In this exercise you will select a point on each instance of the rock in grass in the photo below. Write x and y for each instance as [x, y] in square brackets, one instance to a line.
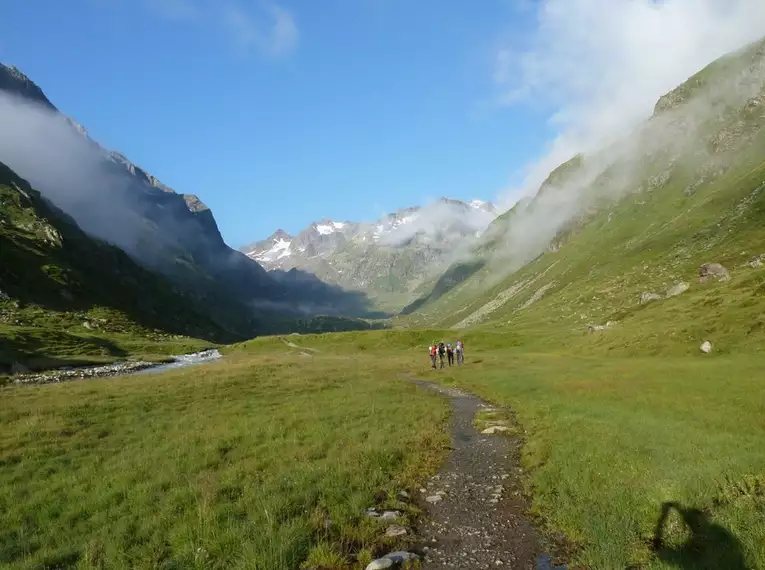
[677, 289]
[390, 515]
[395, 530]
[706, 347]
[495, 429]
[648, 297]
[385, 515]
[710, 271]
[401, 556]
[593, 328]
[380, 564]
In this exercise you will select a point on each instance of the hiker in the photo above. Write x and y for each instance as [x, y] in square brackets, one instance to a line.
[450, 353]
[441, 352]
[433, 351]
[459, 349]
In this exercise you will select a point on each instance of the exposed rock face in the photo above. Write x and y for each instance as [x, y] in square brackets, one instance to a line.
[14, 81]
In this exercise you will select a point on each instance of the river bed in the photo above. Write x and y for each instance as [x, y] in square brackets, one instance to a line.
[116, 369]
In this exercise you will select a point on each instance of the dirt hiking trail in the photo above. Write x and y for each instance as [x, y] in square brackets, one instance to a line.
[477, 514]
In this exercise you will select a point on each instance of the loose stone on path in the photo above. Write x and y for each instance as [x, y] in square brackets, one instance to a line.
[395, 530]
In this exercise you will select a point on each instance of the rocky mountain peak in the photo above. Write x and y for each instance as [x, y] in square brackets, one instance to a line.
[327, 227]
[388, 256]
[13, 80]
[194, 204]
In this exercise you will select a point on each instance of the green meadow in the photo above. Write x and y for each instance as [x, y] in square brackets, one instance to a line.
[268, 458]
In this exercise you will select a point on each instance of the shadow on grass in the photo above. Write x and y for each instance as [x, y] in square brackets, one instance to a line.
[453, 276]
[34, 351]
[709, 546]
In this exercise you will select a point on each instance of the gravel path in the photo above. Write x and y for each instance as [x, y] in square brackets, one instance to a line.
[477, 512]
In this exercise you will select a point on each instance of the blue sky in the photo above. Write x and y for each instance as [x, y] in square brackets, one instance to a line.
[277, 113]
[280, 114]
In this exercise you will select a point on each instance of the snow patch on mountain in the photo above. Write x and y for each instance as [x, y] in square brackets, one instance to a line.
[329, 228]
[280, 249]
[444, 224]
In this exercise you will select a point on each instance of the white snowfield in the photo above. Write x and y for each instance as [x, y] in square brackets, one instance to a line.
[279, 250]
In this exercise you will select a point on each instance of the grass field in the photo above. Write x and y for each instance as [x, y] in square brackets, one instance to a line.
[240, 464]
[611, 437]
[265, 460]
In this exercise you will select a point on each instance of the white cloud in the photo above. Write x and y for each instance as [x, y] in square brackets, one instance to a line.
[601, 65]
[271, 31]
[260, 25]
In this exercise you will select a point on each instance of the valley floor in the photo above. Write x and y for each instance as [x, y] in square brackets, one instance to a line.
[270, 457]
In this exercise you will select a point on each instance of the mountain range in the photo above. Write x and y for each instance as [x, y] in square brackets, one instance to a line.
[389, 258]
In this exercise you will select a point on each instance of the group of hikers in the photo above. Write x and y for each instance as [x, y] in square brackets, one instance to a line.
[437, 351]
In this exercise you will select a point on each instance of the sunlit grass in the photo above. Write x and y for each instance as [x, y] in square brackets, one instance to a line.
[609, 439]
[246, 463]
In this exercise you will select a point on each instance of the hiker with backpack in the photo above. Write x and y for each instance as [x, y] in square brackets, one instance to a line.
[441, 352]
[460, 350]
[433, 351]
[450, 354]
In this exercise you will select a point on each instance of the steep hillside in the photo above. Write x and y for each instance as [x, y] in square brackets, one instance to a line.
[55, 277]
[175, 234]
[388, 259]
[117, 201]
[617, 244]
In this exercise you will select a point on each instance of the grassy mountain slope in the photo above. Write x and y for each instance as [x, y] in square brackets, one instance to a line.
[389, 274]
[60, 287]
[640, 217]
